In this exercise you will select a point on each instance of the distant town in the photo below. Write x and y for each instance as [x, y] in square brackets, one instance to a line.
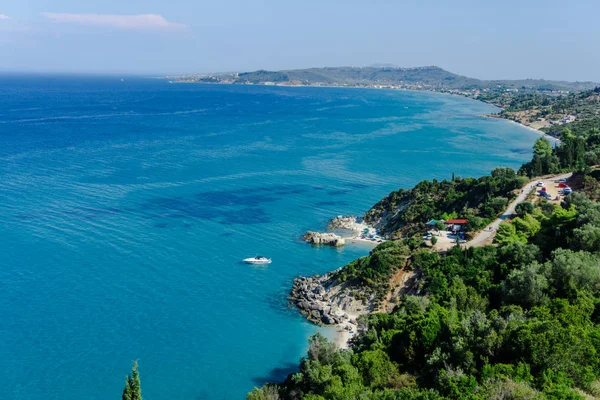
[536, 103]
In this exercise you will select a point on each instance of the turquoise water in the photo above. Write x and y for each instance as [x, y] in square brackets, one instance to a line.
[126, 208]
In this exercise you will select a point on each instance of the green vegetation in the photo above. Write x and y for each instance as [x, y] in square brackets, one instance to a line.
[580, 140]
[577, 152]
[405, 212]
[432, 77]
[524, 208]
[539, 106]
[133, 388]
[374, 271]
[517, 320]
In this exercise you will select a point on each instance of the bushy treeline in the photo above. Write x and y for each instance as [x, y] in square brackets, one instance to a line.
[520, 320]
[577, 152]
[478, 199]
[583, 103]
[580, 140]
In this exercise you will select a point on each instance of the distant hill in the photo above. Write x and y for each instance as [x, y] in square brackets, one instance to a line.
[419, 78]
[366, 76]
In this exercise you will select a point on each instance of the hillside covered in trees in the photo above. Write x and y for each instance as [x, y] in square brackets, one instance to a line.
[516, 320]
[519, 319]
[405, 212]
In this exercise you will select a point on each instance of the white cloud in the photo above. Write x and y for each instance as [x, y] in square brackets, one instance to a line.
[135, 22]
[4, 16]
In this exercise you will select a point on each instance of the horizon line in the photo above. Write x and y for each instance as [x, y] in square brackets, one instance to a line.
[233, 71]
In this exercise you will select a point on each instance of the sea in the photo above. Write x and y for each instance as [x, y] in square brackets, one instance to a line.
[127, 205]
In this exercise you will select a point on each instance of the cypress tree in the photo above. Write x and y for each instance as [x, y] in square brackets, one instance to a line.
[133, 388]
[127, 390]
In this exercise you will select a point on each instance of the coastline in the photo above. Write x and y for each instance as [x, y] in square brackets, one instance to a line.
[539, 132]
[342, 331]
[345, 331]
[366, 242]
[329, 303]
[549, 137]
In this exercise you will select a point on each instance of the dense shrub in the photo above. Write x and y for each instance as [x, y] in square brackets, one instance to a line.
[479, 200]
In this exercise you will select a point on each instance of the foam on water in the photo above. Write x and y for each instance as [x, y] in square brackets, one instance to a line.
[126, 208]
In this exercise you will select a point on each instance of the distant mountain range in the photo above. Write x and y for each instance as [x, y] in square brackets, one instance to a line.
[419, 78]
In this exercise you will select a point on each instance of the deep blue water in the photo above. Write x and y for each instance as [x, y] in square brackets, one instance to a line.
[126, 208]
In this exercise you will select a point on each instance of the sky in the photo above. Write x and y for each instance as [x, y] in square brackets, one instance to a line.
[484, 39]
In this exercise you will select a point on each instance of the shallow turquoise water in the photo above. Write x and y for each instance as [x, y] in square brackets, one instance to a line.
[126, 208]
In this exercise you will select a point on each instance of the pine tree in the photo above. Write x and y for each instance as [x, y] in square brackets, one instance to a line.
[133, 388]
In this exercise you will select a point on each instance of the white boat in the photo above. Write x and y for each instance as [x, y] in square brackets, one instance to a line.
[257, 260]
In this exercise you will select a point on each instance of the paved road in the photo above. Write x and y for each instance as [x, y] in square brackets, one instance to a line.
[486, 236]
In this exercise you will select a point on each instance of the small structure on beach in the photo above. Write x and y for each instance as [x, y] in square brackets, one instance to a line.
[456, 224]
[433, 223]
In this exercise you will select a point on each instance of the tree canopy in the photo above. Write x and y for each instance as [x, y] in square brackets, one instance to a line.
[519, 319]
[133, 388]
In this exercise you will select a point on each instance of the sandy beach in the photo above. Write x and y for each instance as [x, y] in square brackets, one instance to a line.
[345, 331]
[359, 240]
[551, 138]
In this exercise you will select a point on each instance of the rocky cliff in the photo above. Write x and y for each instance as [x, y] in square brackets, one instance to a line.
[325, 301]
[347, 223]
[372, 283]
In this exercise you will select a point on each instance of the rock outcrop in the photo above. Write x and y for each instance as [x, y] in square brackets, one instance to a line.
[346, 222]
[330, 239]
[325, 301]
[386, 221]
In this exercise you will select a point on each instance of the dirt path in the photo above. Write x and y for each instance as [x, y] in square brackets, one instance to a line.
[397, 283]
[486, 236]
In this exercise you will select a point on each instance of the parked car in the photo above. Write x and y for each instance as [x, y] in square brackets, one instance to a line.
[541, 183]
[563, 185]
[567, 190]
[562, 180]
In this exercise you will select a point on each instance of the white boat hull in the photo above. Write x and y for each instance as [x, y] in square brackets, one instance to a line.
[257, 262]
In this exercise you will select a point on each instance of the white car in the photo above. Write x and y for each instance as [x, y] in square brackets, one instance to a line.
[562, 180]
[541, 183]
